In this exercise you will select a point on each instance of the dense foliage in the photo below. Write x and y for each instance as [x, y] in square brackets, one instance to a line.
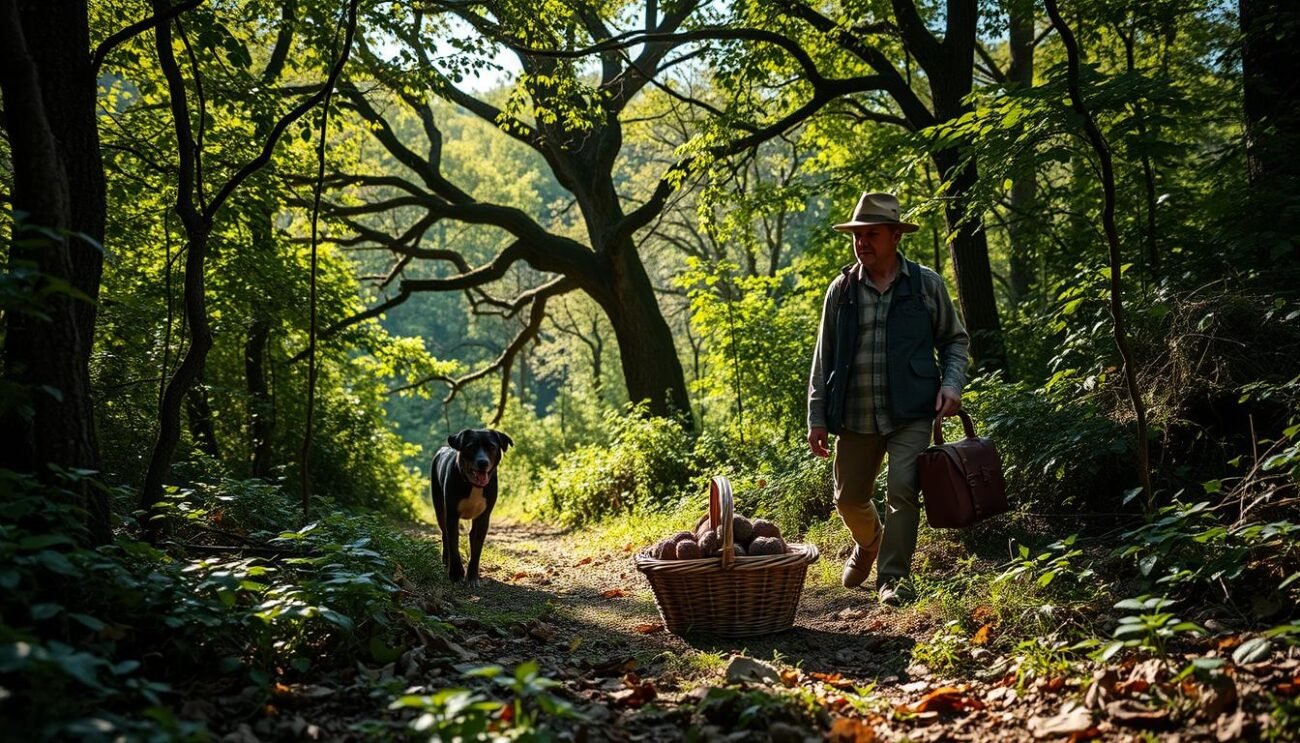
[573, 245]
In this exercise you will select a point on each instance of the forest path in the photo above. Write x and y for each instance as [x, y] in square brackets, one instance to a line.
[586, 614]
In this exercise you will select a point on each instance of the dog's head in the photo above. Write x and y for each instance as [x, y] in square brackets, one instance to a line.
[478, 452]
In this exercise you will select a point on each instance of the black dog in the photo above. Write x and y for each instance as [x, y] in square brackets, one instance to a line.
[463, 483]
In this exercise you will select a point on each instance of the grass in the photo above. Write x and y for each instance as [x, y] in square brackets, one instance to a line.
[695, 664]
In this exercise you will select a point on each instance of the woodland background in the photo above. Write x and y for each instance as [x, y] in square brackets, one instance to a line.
[263, 256]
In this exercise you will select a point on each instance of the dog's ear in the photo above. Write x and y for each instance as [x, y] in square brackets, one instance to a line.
[459, 440]
[503, 441]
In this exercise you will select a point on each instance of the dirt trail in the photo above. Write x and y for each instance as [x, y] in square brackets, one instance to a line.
[590, 622]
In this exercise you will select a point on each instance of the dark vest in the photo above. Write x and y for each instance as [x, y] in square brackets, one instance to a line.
[910, 367]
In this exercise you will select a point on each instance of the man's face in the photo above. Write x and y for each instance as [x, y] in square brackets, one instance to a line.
[876, 244]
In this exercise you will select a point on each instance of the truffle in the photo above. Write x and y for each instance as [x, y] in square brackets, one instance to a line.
[682, 536]
[702, 529]
[666, 550]
[739, 550]
[688, 549]
[767, 546]
[710, 544]
[765, 528]
[741, 529]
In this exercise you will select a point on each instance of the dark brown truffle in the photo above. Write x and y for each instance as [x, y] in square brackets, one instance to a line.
[710, 544]
[702, 529]
[767, 546]
[741, 529]
[668, 550]
[765, 528]
[682, 536]
[688, 549]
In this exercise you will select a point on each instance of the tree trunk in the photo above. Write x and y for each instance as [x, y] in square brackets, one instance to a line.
[1024, 189]
[261, 416]
[58, 184]
[645, 343]
[199, 412]
[970, 263]
[1270, 56]
[191, 367]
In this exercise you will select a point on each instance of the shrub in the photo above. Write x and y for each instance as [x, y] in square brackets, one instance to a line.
[1057, 452]
[647, 463]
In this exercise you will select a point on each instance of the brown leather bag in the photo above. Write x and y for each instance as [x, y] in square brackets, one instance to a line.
[961, 482]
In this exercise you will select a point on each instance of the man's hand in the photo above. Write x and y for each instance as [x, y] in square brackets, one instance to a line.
[817, 441]
[947, 402]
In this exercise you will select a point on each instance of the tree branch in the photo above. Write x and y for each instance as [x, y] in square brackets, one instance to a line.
[375, 311]
[107, 46]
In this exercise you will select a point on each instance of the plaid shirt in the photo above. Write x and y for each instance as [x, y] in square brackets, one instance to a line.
[867, 402]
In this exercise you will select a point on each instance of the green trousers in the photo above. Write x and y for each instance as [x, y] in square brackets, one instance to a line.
[858, 457]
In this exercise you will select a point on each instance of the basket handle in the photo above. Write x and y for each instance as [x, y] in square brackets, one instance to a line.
[721, 509]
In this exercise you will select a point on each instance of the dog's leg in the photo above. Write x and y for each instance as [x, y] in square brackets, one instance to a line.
[451, 549]
[477, 534]
[438, 498]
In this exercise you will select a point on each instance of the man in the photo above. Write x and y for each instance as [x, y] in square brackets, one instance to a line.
[876, 386]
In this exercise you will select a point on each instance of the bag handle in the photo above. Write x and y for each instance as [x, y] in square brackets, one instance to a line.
[966, 423]
[721, 510]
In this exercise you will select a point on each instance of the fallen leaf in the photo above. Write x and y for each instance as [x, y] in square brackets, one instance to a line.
[1073, 718]
[1219, 697]
[1231, 728]
[742, 669]
[520, 575]
[1102, 689]
[851, 730]
[981, 635]
[834, 680]
[637, 693]
[789, 678]
[1136, 714]
[945, 699]
[1133, 686]
[648, 628]
[613, 593]
[1228, 643]
[583, 561]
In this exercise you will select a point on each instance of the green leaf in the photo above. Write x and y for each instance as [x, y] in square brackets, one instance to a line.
[488, 672]
[1254, 650]
[91, 623]
[41, 541]
[41, 612]
[55, 562]
[381, 652]
[337, 619]
[1147, 564]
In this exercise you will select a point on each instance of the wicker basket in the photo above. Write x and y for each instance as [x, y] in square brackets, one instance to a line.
[728, 595]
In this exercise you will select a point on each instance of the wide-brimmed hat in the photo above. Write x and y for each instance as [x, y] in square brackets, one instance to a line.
[876, 208]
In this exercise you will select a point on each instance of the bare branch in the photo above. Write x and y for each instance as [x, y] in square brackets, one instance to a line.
[375, 311]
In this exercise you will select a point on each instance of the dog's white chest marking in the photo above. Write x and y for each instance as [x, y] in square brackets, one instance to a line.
[470, 508]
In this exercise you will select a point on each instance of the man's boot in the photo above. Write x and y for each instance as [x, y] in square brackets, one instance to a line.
[858, 566]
